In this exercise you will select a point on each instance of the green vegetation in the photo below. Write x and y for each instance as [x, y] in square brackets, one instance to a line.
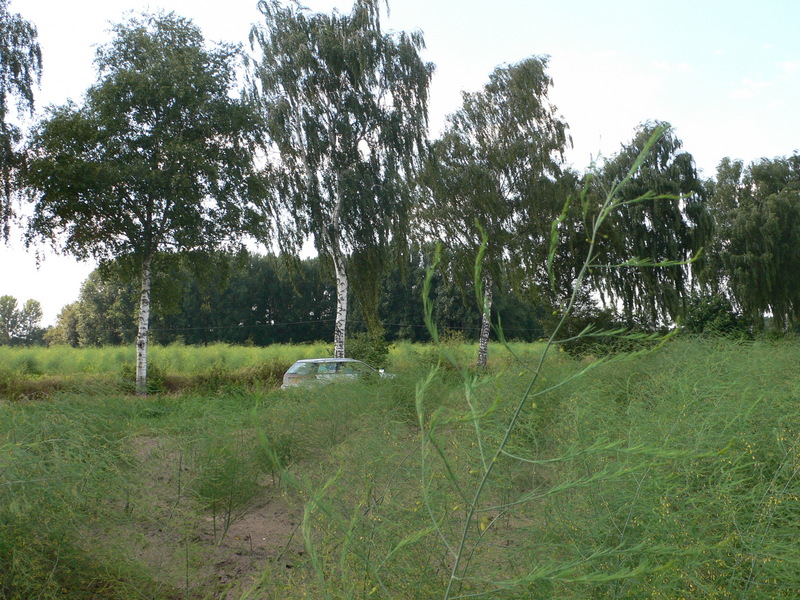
[19, 325]
[671, 224]
[20, 73]
[666, 472]
[756, 209]
[266, 300]
[346, 116]
[36, 371]
[497, 165]
[156, 160]
[665, 475]
[154, 170]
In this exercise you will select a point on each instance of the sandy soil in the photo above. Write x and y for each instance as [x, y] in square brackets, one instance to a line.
[183, 547]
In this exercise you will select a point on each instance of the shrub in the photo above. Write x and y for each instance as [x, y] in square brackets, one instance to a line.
[371, 348]
[155, 378]
[713, 314]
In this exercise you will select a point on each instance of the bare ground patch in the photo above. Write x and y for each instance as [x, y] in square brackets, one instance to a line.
[159, 525]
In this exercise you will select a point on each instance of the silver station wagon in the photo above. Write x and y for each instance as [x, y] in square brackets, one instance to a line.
[328, 370]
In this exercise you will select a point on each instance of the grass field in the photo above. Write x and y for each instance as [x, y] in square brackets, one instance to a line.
[664, 476]
[36, 372]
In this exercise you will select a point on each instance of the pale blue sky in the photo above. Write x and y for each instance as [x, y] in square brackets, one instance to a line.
[726, 74]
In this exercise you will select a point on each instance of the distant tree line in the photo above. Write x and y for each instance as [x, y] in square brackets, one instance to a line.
[260, 300]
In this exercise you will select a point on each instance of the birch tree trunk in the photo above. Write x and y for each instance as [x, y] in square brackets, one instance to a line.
[341, 303]
[144, 324]
[483, 343]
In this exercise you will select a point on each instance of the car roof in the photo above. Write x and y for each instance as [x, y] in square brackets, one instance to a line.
[328, 360]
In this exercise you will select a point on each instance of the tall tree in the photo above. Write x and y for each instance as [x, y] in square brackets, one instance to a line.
[20, 71]
[157, 159]
[494, 172]
[65, 331]
[665, 219]
[757, 214]
[30, 319]
[347, 111]
[20, 325]
[106, 308]
[9, 319]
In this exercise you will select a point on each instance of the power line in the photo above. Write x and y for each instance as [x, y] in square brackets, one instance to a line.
[256, 326]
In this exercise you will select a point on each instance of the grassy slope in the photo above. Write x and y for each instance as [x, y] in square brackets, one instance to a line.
[672, 475]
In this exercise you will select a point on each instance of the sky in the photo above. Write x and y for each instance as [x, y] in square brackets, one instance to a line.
[725, 74]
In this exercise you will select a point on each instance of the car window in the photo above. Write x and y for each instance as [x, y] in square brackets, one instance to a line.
[326, 368]
[302, 368]
[362, 369]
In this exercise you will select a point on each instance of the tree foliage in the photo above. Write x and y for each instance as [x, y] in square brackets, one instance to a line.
[20, 325]
[757, 212]
[261, 300]
[346, 106]
[20, 71]
[669, 222]
[493, 177]
[107, 309]
[157, 158]
[495, 165]
[712, 314]
[9, 318]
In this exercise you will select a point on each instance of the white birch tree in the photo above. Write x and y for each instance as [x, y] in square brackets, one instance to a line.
[493, 175]
[157, 159]
[346, 106]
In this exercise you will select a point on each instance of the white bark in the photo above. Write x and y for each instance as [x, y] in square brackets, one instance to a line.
[332, 239]
[483, 343]
[144, 324]
[341, 303]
